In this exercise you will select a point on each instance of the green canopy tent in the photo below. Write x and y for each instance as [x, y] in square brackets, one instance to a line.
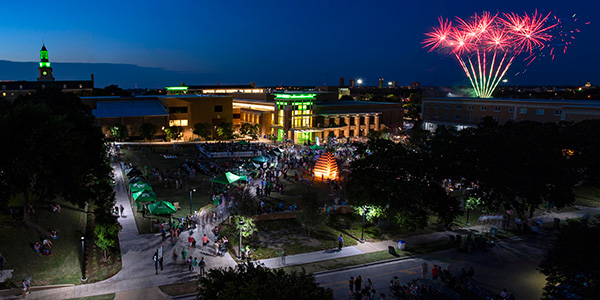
[243, 143]
[145, 196]
[161, 208]
[228, 178]
[316, 147]
[260, 159]
[137, 179]
[139, 186]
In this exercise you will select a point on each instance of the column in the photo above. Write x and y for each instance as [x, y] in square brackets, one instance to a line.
[367, 120]
[347, 130]
[357, 125]
[377, 123]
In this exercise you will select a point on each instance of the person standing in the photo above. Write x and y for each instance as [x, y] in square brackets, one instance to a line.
[190, 240]
[351, 286]
[174, 256]
[216, 246]
[358, 284]
[435, 272]
[195, 264]
[204, 242]
[155, 258]
[189, 261]
[122, 209]
[183, 256]
[340, 242]
[202, 264]
[424, 268]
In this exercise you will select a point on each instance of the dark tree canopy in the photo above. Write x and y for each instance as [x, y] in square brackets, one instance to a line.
[257, 282]
[52, 149]
[147, 131]
[572, 264]
[203, 130]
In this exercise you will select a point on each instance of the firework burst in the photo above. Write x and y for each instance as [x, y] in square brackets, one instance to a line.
[486, 45]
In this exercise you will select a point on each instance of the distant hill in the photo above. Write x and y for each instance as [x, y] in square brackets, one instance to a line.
[124, 75]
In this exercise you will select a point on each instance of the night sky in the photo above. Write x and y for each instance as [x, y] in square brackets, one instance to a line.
[294, 42]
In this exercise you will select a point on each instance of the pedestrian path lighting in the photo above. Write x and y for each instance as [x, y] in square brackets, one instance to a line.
[241, 223]
[362, 233]
[191, 191]
[83, 278]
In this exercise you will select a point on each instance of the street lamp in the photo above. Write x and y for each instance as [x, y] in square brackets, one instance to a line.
[240, 251]
[83, 278]
[191, 191]
[359, 81]
[362, 233]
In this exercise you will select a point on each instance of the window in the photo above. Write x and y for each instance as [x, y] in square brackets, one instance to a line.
[458, 107]
[457, 117]
[539, 111]
[483, 108]
[3, 87]
[20, 87]
[511, 109]
[522, 111]
[64, 86]
[178, 122]
[447, 106]
[470, 107]
[436, 116]
[469, 118]
[436, 106]
[497, 108]
[445, 116]
[480, 119]
[81, 86]
[43, 86]
[218, 108]
[178, 110]
[236, 116]
[558, 112]
[426, 105]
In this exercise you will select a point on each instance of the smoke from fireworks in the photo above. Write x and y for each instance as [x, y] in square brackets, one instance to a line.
[486, 45]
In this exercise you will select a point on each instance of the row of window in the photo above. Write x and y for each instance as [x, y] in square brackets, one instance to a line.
[43, 86]
[538, 111]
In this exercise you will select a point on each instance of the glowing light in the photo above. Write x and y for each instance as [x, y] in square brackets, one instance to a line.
[177, 88]
[359, 81]
[295, 96]
[326, 167]
[486, 45]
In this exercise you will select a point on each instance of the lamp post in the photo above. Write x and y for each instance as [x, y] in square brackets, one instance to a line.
[240, 251]
[83, 278]
[362, 233]
[191, 191]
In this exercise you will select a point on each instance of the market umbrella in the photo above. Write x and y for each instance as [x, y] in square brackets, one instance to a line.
[134, 172]
[243, 143]
[161, 208]
[316, 147]
[145, 196]
[260, 159]
[139, 186]
[228, 178]
[136, 179]
[274, 153]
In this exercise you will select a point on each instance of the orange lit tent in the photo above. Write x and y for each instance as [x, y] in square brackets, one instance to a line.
[326, 167]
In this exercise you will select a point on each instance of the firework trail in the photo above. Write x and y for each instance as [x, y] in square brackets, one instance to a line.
[486, 45]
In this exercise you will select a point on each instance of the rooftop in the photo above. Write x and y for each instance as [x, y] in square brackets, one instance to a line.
[135, 108]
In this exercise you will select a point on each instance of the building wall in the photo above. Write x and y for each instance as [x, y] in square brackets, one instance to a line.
[201, 110]
[133, 124]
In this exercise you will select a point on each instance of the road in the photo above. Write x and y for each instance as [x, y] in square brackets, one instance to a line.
[511, 264]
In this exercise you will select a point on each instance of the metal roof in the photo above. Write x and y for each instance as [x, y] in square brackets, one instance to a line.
[139, 108]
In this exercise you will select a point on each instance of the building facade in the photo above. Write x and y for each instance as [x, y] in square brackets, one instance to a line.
[468, 112]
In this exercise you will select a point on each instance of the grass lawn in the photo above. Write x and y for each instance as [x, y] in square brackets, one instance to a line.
[64, 266]
[99, 297]
[178, 289]
[587, 196]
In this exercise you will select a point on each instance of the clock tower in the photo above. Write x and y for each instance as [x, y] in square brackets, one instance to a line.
[44, 71]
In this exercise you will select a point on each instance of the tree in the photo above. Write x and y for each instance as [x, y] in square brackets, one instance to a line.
[147, 131]
[250, 129]
[243, 202]
[251, 281]
[55, 150]
[248, 226]
[225, 130]
[173, 132]
[389, 175]
[572, 264]
[107, 234]
[413, 106]
[311, 217]
[119, 132]
[203, 130]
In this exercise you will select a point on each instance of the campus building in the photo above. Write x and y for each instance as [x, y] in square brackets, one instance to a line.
[12, 89]
[468, 112]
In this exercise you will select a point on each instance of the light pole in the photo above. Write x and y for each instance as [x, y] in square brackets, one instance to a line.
[240, 252]
[362, 233]
[191, 191]
[83, 278]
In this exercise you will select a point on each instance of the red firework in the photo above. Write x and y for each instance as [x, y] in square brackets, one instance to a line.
[485, 45]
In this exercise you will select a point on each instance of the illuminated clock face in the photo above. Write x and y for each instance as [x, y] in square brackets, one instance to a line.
[45, 73]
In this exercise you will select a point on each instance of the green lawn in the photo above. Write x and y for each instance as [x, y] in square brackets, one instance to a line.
[99, 297]
[178, 289]
[587, 196]
[64, 266]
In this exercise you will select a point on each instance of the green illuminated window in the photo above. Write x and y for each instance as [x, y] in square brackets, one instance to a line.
[43, 55]
[44, 65]
[177, 88]
[295, 96]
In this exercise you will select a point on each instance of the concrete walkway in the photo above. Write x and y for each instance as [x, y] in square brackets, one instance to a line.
[137, 280]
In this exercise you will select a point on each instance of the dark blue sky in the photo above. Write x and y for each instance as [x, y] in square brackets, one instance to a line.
[271, 42]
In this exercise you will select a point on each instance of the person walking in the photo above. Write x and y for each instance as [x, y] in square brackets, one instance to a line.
[424, 268]
[358, 284]
[155, 258]
[204, 242]
[122, 209]
[174, 256]
[216, 246]
[189, 261]
[202, 264]
[351, 286]
[340, 242]
[435, 272]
